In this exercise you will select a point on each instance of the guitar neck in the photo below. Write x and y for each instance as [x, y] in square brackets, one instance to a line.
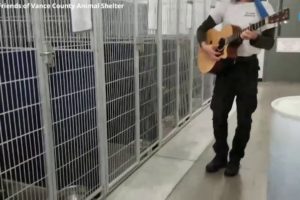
[257, 25]
[281, 16]
[252, 27]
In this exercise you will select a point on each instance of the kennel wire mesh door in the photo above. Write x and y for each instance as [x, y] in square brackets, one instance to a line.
[185, 53]
[169, 66]
[72, 97]
[146, 44]
[197, 80]
[184, 77]
[118, 33]
[22, 130]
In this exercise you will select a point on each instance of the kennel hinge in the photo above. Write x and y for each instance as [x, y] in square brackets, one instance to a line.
[48, 55]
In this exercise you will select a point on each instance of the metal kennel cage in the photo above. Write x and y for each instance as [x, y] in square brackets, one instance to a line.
[79, 111]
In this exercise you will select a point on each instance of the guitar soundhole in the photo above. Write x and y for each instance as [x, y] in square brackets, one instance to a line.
[210, 42]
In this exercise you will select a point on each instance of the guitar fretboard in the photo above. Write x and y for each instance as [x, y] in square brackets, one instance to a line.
[257, 25]
[281, 16]
[252, 27]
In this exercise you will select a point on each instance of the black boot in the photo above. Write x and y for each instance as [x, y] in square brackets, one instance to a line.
[216, 164]
[232, 169]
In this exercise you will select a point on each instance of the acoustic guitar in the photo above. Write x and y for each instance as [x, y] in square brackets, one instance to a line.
[228, 40]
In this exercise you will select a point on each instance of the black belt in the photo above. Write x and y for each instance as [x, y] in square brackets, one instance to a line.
[241, 59]
[245, 59]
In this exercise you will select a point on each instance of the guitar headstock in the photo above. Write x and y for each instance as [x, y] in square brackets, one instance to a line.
[281, 16]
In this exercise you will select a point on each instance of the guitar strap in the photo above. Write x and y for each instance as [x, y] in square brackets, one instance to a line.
[261, 9]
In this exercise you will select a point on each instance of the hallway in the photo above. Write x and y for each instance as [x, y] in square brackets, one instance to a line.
[177, 171]
[252, 183]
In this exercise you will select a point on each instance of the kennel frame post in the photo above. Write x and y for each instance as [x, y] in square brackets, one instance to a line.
[136, 83]
[192, 54]
[160, 70]
[38, 32]
[177, 63]
[98, 47]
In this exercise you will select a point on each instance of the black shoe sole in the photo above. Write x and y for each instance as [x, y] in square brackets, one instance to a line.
[227, 174]
[230, 175]
[215, 170]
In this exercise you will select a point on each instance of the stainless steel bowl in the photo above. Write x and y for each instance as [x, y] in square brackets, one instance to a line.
[73, 193]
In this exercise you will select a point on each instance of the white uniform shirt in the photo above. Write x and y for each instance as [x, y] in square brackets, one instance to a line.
[241, 14]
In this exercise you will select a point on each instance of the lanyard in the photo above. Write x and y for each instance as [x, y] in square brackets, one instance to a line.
[261, 9]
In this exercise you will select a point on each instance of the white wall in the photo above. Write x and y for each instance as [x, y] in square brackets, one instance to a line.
[200, 13]
[169, 17]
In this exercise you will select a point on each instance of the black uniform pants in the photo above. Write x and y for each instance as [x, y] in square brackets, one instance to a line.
[239, 80]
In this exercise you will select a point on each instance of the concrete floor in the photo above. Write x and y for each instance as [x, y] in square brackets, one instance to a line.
[156, 178]
[253, 183]
[177, 171]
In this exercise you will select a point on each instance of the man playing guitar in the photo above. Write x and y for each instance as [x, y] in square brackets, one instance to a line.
[239, 79]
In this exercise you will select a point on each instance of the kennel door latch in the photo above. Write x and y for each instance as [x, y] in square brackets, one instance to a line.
[140, 44]
[48, 55]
